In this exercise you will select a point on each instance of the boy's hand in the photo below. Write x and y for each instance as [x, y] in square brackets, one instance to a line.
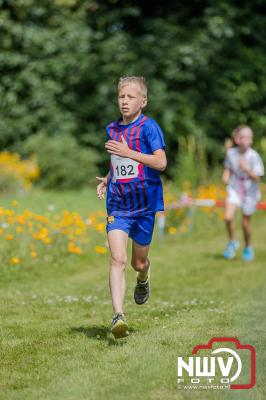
[101, 188]
[226, 176]
[118, 148]
[243, 165]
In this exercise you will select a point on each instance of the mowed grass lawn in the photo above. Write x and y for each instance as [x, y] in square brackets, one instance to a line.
[55, 329]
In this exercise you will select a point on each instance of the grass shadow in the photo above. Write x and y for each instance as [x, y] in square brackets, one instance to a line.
[101, 333]
[218, 256]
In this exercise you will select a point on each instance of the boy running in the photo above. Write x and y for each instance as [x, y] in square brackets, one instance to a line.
[243, 169]
[134, 193]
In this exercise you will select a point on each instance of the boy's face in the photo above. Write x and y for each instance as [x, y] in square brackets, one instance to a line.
[131, 100]
[244, 138]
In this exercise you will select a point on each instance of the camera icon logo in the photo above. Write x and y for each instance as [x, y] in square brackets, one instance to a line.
[222, 363]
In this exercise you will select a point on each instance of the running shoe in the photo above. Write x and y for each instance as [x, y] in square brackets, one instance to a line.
[231, 249]
[248, 253]
[119, 326]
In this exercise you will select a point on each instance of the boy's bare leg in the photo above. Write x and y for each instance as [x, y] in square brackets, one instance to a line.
[140, 261]
[118, 246]
[246, 229]
[229, 220]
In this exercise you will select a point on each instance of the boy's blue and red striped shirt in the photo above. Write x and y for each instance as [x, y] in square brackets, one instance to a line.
[142, 195]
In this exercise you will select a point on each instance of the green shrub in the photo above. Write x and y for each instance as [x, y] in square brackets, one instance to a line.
[8, 184]
[63, 163]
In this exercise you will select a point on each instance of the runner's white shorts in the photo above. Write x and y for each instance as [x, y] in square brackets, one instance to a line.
[247, 203]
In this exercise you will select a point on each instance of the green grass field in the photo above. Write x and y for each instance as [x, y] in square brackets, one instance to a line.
[55, 329]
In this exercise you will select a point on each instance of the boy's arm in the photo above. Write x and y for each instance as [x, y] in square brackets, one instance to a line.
[244, 168]
[101, 187]
[157, 160]
[226, 176]
[104, 179]
[107, 177]
[252, 175]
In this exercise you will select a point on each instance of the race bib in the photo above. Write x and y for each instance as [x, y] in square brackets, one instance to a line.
[124, 168]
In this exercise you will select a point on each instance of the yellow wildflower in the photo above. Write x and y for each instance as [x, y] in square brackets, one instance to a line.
[100, 250]
[172, 230]
[9, 237]
[100, 227]
[14, 260]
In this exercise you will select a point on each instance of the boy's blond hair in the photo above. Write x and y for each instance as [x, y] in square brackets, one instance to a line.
[239, 128]
[140, 80]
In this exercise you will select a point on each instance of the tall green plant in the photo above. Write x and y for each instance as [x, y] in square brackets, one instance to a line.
[63, 162]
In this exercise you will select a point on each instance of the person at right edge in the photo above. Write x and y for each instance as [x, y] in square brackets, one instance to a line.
[243, 170]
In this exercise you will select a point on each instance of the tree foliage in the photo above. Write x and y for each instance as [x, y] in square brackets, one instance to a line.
[60, 62]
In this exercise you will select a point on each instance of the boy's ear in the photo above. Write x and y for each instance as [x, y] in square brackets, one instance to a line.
[144, 102]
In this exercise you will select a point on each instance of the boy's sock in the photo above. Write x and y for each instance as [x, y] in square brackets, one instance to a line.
[143, 280]
[142, 290]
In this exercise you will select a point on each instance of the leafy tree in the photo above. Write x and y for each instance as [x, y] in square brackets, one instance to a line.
[204, 62]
